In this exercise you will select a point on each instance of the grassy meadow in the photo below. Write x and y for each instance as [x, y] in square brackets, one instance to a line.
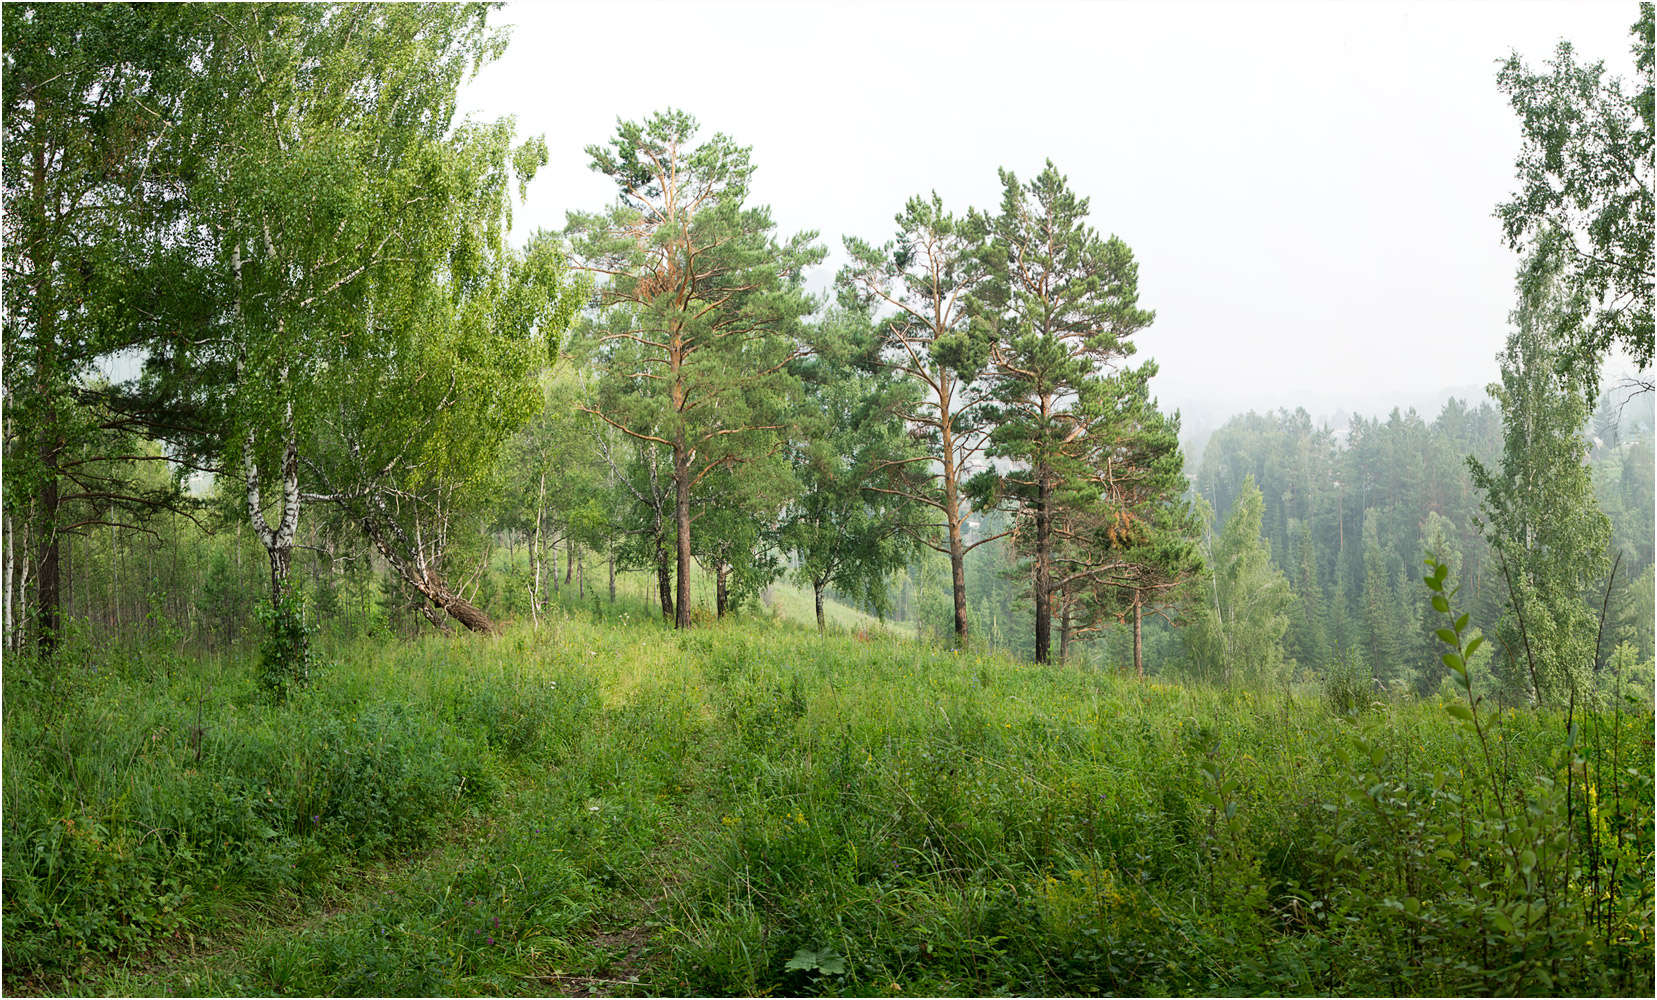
[609, 807]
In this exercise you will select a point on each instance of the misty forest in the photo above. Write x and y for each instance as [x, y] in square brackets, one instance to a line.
[398, 603]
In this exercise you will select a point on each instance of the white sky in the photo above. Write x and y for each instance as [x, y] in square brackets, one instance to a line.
[1308, 187]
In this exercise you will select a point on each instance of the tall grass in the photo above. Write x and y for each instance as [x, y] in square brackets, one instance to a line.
[749, 808]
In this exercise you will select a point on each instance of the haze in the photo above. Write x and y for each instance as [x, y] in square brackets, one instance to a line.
[1308, 187]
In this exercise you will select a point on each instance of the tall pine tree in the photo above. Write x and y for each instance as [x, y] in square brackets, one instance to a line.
[1061, 307]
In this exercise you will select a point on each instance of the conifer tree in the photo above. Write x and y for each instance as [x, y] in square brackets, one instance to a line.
[701, 308]
[924, 279]
[1060, 309]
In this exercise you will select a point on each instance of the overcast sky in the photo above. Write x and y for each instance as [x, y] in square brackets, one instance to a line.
[1308, 187]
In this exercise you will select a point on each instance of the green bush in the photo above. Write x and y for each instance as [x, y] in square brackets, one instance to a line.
[285, 653]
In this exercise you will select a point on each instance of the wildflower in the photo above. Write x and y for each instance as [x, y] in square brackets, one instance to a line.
[489, 940]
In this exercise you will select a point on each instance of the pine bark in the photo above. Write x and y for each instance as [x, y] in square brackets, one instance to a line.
[1138, 635]
[1064, 635]
[952, 518]
[681, 520]
[1043, 586]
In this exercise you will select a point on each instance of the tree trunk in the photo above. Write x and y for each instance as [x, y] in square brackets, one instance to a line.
[424, 580]
[664, 579]
[537, 550]
[1064, 634]
[569, 559]
[681, 521]
[952, 518]
[1138, 635]
[464, 612]
[8, 553]
[958, 580]
[720, 575]
[612, 561]
[817, 594]
[1043, 595]
[114, 581]
[277, 539]
[47, 621]
[47, 579]
[281, 562]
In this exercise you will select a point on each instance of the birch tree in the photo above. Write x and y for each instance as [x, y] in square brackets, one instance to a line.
[846, 529]
[93, 163]
[1538, 510]
[329, 183]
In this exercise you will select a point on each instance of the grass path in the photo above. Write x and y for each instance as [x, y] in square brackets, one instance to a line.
[607, 953]
[540, 893]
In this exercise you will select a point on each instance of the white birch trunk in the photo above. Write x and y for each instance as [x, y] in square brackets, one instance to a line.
[10, 544]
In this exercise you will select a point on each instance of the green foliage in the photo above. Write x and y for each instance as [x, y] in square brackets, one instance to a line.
[1542, 859]
[142, 807]
[91, 177]
[752, 809]
[1238, 635]
[699, 319]
[1319, 488]
[285, 654]
[1585, 198]
[1539, 513]
[922, 285]
[1094, 470]
[847, 527]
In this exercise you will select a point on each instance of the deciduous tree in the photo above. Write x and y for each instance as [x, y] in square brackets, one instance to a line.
[1538, 511]
[1585, 199]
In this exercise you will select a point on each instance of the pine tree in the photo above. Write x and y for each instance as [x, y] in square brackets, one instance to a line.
[701, 308]
[926, 278]
[1062, 305]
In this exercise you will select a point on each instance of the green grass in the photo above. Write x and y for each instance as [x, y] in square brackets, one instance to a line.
[748, 808]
